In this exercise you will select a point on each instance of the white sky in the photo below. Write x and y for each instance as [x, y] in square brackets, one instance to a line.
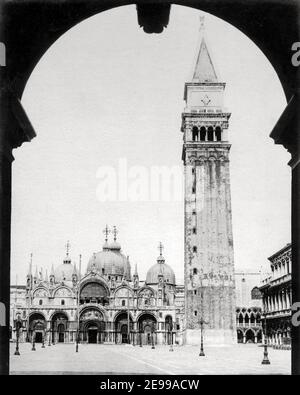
[105, 91]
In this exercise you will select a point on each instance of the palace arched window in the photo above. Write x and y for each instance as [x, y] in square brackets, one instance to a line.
[195, 133]
[218, 133]
[202, 133]
[62, 302]
[40, 302]
[123, 302]
[210, 134]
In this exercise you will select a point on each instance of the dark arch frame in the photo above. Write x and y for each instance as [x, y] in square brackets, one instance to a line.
[44, 22]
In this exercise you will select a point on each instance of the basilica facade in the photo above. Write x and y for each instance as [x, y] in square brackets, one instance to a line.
[106, 304]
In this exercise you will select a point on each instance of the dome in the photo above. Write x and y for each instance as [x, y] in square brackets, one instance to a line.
[108, 262]
[115, 246]
[64, 271]
[160, 268]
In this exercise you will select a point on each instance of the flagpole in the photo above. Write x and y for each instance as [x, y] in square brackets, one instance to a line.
[29, 295]
[128, 321]
[78, 295]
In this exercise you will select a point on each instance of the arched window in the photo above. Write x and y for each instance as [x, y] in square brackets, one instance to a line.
[195, 271]
[202, 133]
[40, 302]
[218, 133]
[62, 302]
[210, 134]
[195, 133]
[123, 302]
[258, 318]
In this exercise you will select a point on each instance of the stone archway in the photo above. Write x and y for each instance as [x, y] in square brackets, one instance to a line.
[59, 327]
[250, 336]
[147, 326]
[240, 336]
[121, 333]
[92, 326]
[93, 331]
[27, 47]
[37, 327]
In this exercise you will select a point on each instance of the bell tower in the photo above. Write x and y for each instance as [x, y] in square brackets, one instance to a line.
[209, 266]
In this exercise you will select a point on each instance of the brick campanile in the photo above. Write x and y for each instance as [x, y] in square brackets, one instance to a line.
[209, 265]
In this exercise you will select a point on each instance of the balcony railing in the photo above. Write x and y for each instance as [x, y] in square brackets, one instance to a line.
[248, 324]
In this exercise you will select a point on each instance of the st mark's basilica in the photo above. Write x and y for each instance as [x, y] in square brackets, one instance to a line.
[108, 303]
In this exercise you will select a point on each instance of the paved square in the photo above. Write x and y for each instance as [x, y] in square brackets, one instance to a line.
[127, 359]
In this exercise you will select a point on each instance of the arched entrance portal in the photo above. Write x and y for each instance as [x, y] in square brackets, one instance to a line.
[240, 336]
[147, 329]
[92, 326]
[92, 330]
[122, 335]
[250, 337]
[59, 328]
[37, 326]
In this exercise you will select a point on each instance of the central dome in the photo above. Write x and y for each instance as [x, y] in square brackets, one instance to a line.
[110, 261]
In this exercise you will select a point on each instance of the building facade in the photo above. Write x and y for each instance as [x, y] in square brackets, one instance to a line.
[277, 298]
[49, 307]
[248, 307]
[208, 267]
[108, 304]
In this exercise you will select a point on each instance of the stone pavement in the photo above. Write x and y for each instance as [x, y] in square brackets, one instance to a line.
[127, 359]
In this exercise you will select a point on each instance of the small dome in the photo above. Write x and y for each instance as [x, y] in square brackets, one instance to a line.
[115, 246]
[105, 246]
[64, 271]
[160, 268]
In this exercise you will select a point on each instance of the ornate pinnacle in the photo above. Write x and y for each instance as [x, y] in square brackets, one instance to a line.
[115, 232]
[160, 247]
[68, 245]
[106, 231]
[202, 21]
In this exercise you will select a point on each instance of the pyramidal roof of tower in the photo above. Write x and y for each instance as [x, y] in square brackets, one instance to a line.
[204, 70]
